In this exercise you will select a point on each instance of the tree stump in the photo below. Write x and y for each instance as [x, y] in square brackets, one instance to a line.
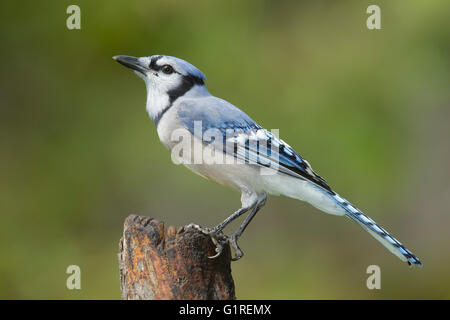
[173, 264]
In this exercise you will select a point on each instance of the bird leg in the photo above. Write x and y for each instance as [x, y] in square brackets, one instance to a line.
[235, 236]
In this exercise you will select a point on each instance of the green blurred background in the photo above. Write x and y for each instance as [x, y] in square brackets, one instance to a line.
[368, 109]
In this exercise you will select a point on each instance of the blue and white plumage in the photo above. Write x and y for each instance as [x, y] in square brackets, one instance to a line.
[177, 100]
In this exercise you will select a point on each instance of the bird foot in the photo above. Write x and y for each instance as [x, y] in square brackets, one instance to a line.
[220, 240]
[237, 251]
[217, 237]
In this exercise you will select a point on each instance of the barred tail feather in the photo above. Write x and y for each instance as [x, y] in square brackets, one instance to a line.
[377, 232]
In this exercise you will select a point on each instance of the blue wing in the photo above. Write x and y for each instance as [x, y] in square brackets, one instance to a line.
[248, 141]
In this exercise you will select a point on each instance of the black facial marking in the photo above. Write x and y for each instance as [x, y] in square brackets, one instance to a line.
[153, 64]
[159, 116]
[187, 82]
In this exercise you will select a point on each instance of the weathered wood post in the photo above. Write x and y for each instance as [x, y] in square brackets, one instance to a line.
[173, 264]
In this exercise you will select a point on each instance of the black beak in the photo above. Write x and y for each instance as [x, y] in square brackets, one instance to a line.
[131, 62]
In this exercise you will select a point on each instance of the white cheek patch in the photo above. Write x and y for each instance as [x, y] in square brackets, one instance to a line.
[169, 81]
[164, 82]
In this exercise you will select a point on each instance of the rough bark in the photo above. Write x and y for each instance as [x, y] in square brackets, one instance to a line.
[173, 264]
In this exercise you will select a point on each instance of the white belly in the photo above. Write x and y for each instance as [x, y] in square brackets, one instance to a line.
[202, 160]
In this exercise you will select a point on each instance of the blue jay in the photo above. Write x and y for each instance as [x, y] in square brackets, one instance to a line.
[177, 99]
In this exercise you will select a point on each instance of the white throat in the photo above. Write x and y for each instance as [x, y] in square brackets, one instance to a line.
[158, 100]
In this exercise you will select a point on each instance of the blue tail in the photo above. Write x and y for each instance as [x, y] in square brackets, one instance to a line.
[377, 232]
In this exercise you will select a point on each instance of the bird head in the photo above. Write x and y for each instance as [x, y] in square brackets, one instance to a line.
[164, 74]
[167, 79]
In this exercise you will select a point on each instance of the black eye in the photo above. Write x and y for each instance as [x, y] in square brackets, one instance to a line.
[167, 69]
